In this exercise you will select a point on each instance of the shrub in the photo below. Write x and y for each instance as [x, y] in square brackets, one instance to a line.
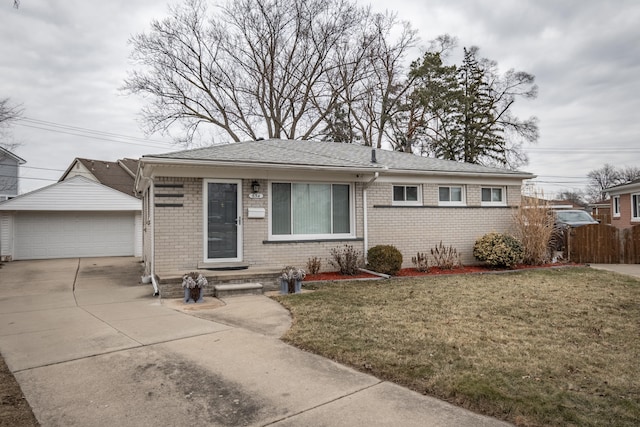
[445, 257]
[313, 265]
[534, 227]
[498, 250]
[385, 259]
[421, 262]
[347, 259]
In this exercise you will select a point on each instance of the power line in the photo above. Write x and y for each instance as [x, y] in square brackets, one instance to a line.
[87, 136]
[28, 177]
[32, 167]
[88, 133]
[585, 150]
[91, 131]
[87, 130]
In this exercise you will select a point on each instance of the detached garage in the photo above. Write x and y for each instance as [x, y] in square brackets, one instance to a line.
[73, 218]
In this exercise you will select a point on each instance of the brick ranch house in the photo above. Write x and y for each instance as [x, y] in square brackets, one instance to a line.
[270, 203]
[625, 204]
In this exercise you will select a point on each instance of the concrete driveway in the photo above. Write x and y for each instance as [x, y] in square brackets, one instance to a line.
[90, 346]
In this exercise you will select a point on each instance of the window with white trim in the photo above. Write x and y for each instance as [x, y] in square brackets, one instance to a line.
[451, 195]
[492, 196]
[616, 206]
[407, 195]
[635, 207]
[311, 211]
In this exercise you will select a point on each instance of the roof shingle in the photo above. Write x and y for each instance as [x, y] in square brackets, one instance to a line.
[326, 154]
[111, 174]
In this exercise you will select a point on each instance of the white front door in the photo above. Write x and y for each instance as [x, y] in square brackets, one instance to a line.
[223, 220]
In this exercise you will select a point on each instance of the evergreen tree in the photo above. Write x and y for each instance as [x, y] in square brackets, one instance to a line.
[465, 112]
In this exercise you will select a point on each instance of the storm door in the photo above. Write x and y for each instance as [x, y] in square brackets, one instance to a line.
[223, 220]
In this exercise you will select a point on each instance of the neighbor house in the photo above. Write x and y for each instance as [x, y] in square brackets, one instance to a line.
[118, 175]
[9, 165]
[271, 203]
[625, 204]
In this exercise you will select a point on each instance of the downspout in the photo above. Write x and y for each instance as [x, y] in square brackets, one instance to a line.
[365, 219]
[151, 278]
[156, 290]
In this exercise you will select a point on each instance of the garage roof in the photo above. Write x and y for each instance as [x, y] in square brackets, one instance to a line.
[75, 194]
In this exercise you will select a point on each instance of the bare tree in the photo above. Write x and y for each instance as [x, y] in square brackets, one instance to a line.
[9, 113]
[629, 173]
[253, 68]
[574, 196]
[609, 176]
[372, 73]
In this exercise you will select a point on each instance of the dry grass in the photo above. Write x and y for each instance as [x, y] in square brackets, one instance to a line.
[534, 227]
[537, 348]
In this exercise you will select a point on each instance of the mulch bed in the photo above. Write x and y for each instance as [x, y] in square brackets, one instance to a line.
[433, 271]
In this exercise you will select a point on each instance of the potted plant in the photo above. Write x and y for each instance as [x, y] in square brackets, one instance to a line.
[291, 280]
[193, 284]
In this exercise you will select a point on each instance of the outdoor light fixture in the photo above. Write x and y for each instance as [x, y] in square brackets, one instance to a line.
[255, 186]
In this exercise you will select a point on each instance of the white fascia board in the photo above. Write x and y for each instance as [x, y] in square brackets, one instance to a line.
[253, 165]
[623, 189]
[150, 162]
[508, 175]
[434, 178]
[240, 171]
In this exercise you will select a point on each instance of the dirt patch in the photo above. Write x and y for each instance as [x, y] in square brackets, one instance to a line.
[224, 403]
[14, 409]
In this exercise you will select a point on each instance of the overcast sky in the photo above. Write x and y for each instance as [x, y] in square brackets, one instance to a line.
[65, 60]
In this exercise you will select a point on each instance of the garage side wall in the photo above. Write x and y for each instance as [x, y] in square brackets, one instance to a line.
[6, 236]
[421, 228]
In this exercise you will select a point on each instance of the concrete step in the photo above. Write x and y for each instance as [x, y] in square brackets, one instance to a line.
[226, 290]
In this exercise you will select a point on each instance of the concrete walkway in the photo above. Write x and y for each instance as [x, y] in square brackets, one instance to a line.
[628, 269]
[91, 347]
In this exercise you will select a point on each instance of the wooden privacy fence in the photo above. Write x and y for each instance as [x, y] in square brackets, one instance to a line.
[604, 244]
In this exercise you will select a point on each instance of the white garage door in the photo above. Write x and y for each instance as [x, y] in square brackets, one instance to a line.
[41, 235]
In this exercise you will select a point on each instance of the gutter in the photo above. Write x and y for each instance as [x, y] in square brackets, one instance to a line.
[153, 161]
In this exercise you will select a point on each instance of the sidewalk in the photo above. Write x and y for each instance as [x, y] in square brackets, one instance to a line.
[628, 269]
[95, 348]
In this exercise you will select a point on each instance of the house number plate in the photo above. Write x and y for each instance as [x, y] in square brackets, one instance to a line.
[256, 196]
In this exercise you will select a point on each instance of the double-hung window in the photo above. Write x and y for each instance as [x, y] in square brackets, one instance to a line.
[311, 211]
[451, 195]
[635, 207]
[492, 196]
[616, 206]
[407, 195]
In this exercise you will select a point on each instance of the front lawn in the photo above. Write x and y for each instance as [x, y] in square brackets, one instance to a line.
[536, 348]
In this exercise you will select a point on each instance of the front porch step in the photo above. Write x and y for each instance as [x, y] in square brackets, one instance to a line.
[217, 266]
[170, 283]
[226, 290]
